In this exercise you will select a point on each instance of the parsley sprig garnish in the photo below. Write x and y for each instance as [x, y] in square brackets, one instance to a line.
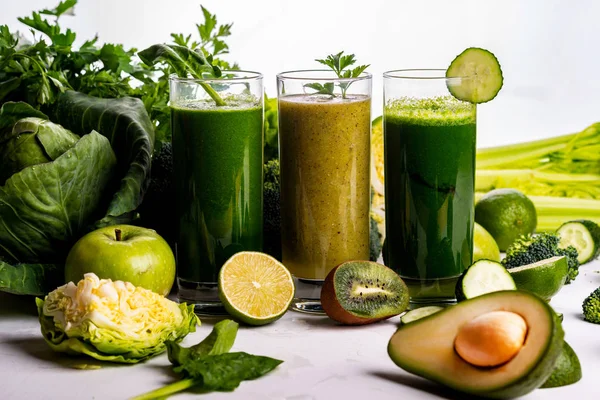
[339, 64]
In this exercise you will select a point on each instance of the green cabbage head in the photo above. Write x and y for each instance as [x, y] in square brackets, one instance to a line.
[32, 141]
[112, 321]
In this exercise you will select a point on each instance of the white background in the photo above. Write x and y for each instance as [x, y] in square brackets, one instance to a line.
[549, 50]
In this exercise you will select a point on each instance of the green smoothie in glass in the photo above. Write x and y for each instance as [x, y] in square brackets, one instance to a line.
[429, 192]
[218, 164]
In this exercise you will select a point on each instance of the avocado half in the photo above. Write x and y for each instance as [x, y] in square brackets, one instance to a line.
[426, 347]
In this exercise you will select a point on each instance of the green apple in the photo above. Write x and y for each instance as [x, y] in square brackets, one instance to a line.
[126, 253]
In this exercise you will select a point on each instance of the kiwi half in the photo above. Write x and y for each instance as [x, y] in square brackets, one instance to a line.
[362, 292]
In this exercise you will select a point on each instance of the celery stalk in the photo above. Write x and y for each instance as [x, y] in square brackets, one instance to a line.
[541, 183]
[561, 153]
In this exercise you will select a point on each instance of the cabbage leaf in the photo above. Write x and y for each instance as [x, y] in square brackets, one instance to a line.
[46, 207]
[108, 345]
[51, 202]
[129, 129]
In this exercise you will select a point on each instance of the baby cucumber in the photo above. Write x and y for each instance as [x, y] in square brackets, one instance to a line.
[484, 276]
[584, 235]
[419, 313]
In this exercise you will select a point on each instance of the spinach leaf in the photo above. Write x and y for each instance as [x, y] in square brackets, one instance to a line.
[185, 62]
[182, 59]
[127, 126]
[226, 371]
[33, 279]
[219, 341]
[208, 366]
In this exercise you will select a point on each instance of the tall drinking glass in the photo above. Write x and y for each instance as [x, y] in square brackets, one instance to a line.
[324, 136]
[429, 142]
[218, 162]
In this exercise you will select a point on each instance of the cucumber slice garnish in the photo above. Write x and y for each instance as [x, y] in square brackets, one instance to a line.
[484, 276]
[584, 235]
[481, 76]
[419, 313]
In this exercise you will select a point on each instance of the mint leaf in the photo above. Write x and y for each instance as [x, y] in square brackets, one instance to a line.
[226, 371]
[219, 341]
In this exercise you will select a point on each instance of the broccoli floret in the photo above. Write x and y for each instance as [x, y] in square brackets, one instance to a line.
[272, 210]
[157, 211]
[571, 253]
[529, 249]
[591, 307]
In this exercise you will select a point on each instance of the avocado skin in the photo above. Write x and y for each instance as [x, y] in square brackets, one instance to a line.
[527, 383]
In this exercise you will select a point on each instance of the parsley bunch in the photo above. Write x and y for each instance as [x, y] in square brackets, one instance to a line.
[40, 71]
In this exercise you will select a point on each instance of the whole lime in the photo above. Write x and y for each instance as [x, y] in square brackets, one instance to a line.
[484, 245]
[125, 253]
[506, 214]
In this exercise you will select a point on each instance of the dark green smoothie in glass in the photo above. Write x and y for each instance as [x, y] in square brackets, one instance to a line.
[429, 192]
[218, 174]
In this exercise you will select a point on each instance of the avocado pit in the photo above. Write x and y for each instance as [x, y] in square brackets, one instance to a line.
[491, 339]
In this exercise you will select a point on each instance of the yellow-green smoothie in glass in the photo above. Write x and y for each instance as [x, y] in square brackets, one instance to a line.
[325, 189]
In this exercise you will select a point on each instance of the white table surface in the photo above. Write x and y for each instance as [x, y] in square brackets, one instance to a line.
[322, 360]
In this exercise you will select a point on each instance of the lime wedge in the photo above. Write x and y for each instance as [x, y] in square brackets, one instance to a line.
[255, 288]
[544, 278]
[480, 73]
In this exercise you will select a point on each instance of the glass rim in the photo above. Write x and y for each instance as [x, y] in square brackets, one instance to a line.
[288, 75]
[250, 76]
[411, 73]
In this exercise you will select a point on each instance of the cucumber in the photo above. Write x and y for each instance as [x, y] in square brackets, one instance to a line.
[584, 235]
[484, 276]
[481, 76]
[419, 313]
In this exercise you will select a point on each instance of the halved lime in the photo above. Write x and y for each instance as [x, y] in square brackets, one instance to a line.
[544, 278]
[480, 73]
[255, 288]
[484, 245]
